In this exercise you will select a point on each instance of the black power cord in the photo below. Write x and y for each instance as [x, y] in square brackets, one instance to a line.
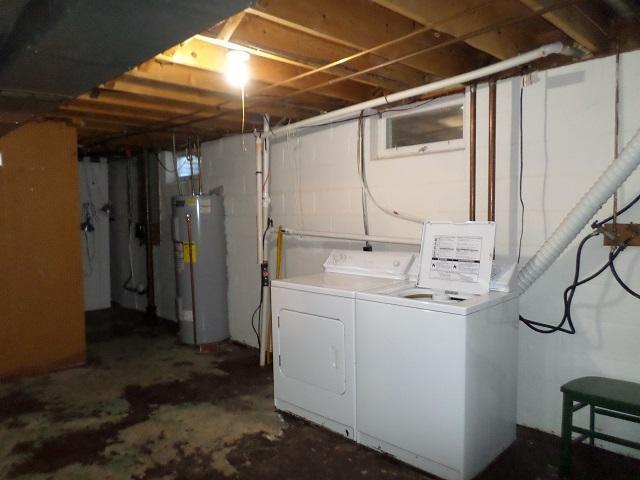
[258, 309]
[570, 290]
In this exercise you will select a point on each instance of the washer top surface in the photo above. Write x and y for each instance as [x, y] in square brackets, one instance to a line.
[406, 294]
[337, 284]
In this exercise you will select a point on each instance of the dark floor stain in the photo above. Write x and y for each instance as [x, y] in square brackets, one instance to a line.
[81, 446]
[307, 451]
[196, 466]
[183, 363]
[18, 403]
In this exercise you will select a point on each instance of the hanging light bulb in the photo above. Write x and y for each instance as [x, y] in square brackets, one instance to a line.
[237, 68]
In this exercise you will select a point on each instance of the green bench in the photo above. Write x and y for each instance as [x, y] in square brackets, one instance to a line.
[604, 396]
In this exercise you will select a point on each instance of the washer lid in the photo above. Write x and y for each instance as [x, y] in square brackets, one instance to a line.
[457, 257]
[369, 264]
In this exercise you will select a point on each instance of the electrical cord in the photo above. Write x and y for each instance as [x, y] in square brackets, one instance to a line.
[615, 274]
[570, 291]
[365, 185]
[521, 171]
[258, 309]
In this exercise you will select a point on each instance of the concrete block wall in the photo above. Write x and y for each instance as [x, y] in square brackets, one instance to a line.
[568, 119]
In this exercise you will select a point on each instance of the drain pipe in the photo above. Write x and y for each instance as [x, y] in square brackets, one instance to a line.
[610, 180]
[342, 113]
[263, 205]
[354, 237]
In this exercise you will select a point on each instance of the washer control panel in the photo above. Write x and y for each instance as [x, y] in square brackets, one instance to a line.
[374, 264]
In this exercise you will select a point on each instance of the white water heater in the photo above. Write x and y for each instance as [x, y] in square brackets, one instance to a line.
[201, 273]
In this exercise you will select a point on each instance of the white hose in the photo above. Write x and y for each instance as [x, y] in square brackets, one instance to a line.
[587, 207]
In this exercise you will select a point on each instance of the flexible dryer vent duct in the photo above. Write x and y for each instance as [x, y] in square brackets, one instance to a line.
[586, 208]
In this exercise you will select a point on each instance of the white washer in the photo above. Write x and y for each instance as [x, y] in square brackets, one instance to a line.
[313, 334]
[436, 368]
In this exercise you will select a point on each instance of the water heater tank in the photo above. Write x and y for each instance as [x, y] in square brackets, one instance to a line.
[201, 273]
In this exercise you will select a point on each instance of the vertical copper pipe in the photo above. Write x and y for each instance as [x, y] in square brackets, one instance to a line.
[616, 134]
[151, 291]
[193, 287]
[472, 152]
[491, 188]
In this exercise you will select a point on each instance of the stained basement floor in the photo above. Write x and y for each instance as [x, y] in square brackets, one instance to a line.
[146, 407]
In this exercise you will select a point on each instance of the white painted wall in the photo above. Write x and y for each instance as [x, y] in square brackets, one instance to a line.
[568, 142]
[94, 195]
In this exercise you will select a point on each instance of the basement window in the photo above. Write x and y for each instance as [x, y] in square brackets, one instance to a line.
[184, 166]
[421, 128]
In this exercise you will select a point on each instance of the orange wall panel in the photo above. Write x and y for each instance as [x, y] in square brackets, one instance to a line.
[41, 301]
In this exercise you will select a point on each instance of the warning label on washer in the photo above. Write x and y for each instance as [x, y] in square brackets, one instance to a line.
[456, 258]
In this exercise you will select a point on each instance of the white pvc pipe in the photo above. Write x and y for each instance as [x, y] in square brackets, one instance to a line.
[263, 207]
[579, 217]
[342, 113]
[259, 217]
[351, 237]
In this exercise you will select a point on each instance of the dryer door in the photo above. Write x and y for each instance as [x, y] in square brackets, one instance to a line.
[312, 350]
[313, 346]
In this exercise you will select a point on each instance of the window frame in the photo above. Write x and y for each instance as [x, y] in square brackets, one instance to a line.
[183, 155]
[383, 152]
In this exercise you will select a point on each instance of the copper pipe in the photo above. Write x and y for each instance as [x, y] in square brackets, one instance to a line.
[616, 134]
[472, 152]
[193, 285]
[491, 187]
[151, 292]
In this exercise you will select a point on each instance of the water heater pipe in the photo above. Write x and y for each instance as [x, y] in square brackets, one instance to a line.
[463, 78]
[193, 283]
[610, 180]
[351, 237]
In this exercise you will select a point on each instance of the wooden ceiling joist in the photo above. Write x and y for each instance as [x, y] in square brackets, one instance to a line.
[206, 56]
[502, 44]
[258, 32]
[575, 23]
[183, 78]
[344, 22]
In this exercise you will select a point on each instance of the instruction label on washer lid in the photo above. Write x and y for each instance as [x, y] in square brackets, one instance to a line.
[456, 258]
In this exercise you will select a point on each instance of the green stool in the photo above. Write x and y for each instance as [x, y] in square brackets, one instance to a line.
[604, 396]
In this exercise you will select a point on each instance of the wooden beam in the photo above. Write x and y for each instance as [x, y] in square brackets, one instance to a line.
[474, 15]
[230, 26]
[177, 102]
[206, 56]
[258, 32]
[344, 23]
[212, 83]
[135, 118]
[574, 23]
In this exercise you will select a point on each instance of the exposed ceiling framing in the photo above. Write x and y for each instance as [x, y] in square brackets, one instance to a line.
[309, 57]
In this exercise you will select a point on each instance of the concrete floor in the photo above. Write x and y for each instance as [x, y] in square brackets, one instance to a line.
[146, 407]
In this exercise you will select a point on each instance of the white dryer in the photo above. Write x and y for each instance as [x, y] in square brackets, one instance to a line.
[436, 360]
[313, 334]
